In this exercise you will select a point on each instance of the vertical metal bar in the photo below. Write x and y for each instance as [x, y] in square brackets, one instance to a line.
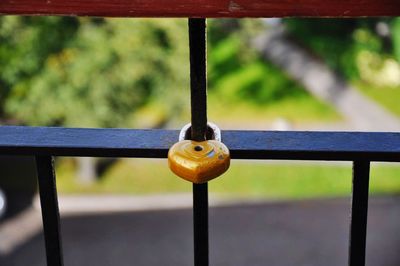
[50, 212]
[198, 93]
[200, 224]
[359, 213]
[198, 78]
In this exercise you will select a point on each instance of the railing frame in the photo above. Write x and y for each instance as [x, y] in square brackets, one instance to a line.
[44, 143]
[359, 147]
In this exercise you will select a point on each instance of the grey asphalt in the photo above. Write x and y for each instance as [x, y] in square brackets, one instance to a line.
[309, 232]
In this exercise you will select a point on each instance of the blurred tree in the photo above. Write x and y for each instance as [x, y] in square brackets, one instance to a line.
[236, 70]
[91, 72]
[395, 30]
[25, 45]
[322, 82]
[356, 48]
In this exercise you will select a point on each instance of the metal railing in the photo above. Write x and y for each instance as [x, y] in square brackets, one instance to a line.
[46, 142]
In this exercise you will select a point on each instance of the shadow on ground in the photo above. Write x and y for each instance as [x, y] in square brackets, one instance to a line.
[313, 232]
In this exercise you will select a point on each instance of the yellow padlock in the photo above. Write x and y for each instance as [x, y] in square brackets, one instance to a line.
[199, 162]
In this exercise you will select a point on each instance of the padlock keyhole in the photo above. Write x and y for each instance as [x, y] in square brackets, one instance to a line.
[198, 148]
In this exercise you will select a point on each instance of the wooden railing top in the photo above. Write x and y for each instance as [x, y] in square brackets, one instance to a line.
[203, 8]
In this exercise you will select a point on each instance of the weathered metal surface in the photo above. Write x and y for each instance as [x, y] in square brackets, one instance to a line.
[291, 145]
[203, 8]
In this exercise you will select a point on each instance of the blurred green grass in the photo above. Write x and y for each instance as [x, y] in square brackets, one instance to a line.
[388, 97]
[297, 110]
[245, 179]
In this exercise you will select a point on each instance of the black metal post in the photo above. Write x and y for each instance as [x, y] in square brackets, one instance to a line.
[198, 78]
[359, 213]
[198, 89]
[50, 212]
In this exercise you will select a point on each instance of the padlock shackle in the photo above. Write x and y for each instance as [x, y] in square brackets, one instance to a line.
[211, 127]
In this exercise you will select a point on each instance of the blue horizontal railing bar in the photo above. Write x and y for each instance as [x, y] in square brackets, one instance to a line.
[149, 143]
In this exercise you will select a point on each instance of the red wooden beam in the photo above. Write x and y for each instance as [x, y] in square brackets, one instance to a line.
[203, 8]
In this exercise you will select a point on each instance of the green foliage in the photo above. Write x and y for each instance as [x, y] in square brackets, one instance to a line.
[90, 72]
[237, 73]
[396, 37]
[24, 49]
[339, 41]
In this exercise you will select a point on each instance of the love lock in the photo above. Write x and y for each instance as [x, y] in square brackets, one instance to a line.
[199, 161]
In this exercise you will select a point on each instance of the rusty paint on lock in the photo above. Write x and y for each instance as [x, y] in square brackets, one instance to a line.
[198, 162]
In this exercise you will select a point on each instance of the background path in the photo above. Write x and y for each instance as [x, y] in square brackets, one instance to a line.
[311, 232]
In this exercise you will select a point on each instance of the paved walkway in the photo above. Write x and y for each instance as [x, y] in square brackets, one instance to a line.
[312, 232]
